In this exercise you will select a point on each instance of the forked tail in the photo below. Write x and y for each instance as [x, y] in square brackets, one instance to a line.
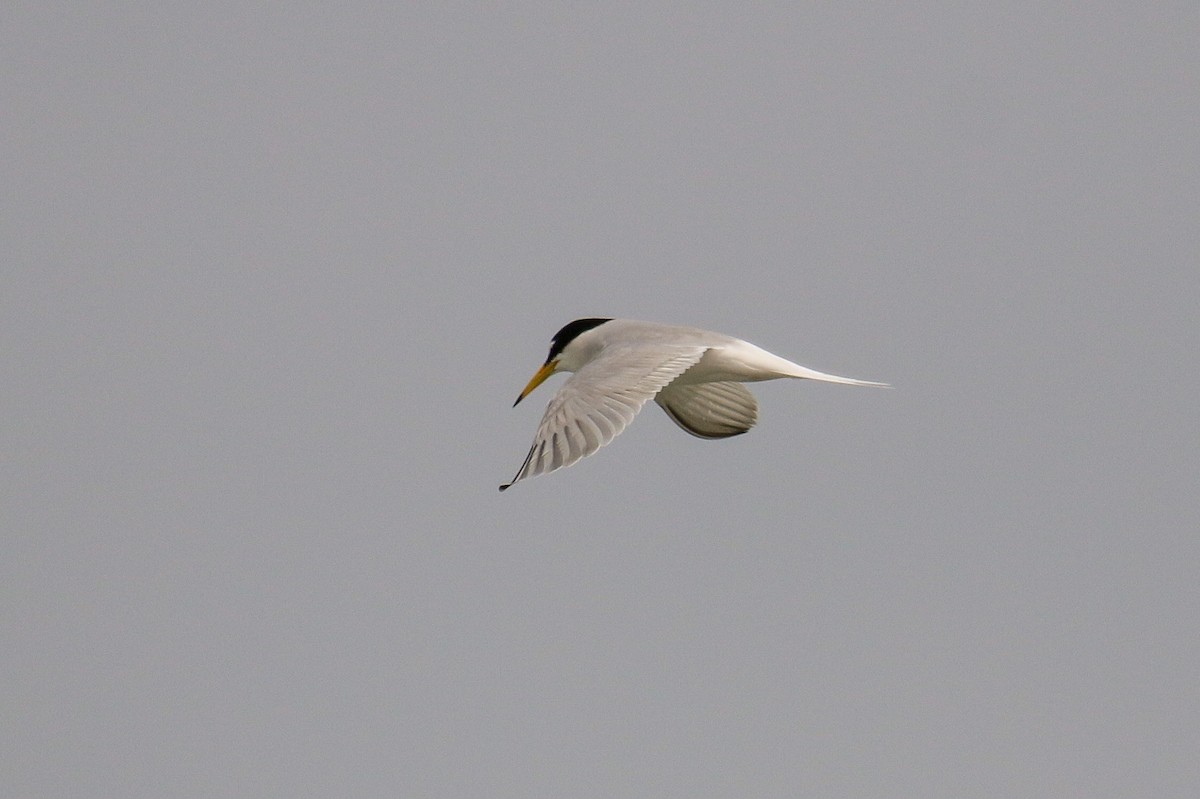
[804, 372]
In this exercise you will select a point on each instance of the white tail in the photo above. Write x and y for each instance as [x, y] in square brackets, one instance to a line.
[804, 372]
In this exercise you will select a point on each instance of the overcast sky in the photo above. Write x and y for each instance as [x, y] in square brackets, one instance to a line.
[274, 275]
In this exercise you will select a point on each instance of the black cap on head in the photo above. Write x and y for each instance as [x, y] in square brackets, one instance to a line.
[569, 333]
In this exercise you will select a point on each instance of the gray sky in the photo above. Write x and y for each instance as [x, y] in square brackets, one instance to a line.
[274, 277]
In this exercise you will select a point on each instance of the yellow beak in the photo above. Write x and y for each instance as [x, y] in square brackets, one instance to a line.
[546, 370]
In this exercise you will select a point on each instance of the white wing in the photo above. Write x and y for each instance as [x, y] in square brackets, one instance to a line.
[710, 410]
[599, 401]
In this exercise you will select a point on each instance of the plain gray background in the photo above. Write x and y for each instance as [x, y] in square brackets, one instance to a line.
[274, 275]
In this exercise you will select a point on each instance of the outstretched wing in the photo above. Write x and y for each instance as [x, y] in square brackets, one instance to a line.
[599, 401]
[710, 410]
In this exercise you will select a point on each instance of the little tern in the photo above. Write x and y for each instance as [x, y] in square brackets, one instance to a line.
[694, 375]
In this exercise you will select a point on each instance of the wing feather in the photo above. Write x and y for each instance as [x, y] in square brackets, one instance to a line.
[599, 401]
[710, 410]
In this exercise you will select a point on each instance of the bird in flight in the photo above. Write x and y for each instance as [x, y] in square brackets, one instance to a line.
[694, 375]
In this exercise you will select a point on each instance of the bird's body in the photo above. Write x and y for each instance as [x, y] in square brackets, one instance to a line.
[619, 364]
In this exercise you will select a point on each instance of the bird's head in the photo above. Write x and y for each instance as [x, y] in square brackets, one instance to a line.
[560, 358]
